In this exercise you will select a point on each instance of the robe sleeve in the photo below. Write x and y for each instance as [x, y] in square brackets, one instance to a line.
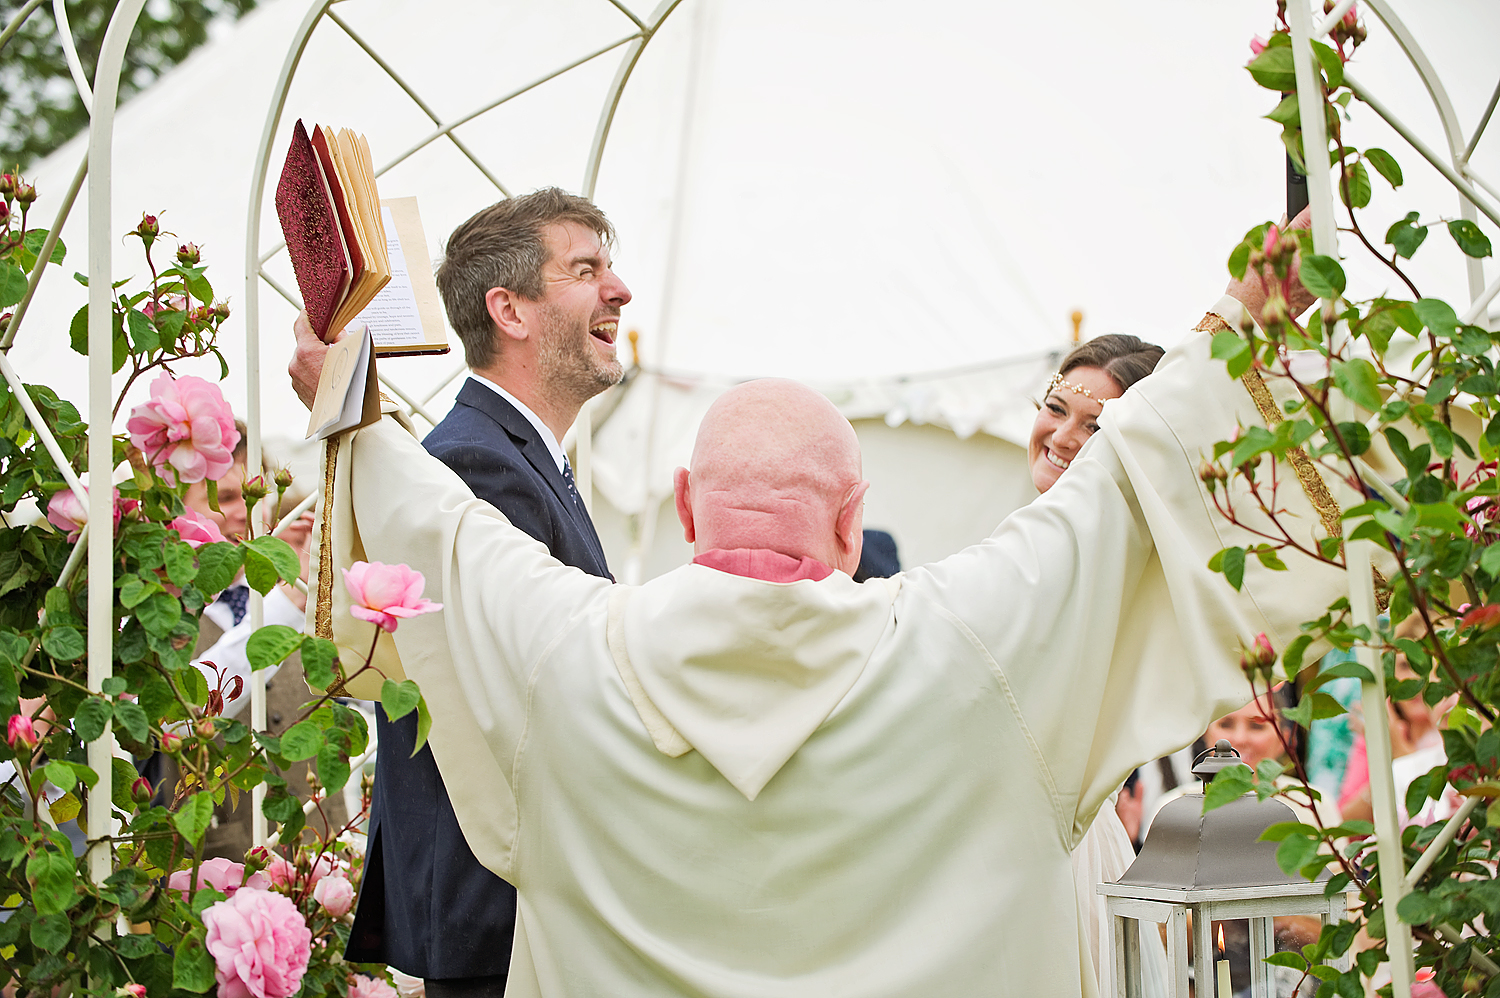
[1095, 606]
[505, 599]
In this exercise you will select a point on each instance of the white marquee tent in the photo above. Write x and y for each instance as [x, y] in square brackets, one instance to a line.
[901, 203]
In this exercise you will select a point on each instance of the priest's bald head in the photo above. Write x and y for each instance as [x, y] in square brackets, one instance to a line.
[775, 467]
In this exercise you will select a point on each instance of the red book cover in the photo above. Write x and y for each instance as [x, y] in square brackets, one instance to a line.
[314, 237]
[340, 203]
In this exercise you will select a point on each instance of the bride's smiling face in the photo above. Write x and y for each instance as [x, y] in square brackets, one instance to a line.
[1065, 421]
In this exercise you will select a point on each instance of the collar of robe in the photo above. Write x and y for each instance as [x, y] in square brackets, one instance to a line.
[745, 669]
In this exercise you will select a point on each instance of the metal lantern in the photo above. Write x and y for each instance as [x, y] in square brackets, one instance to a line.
[1215, 867]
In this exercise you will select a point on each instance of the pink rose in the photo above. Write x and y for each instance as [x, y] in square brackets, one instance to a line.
[20, 732]
[1257, 45]
[361, 986]
[197, 529]
[223, 875]
[335, 894]
[186, 427]
[384, 592]
[66, 513]
[1351, 16]
[260, 943]
[171, 303]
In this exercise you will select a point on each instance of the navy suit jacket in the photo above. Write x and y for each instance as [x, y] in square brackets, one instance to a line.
[426, 906]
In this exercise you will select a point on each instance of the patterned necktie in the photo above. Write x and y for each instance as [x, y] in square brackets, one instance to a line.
[237, 598]
[572, 487]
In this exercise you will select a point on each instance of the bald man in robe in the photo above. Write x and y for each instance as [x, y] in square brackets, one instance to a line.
[755, 777]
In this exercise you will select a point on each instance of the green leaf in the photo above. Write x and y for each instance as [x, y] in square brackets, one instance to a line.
[159, 614]
[1358, 380]
[1274, 69]
[1355, 191]
[281, 554]
[78, 331]
[271, 645]
[218, 564]
[1355, 436]
[1291, 659]
[1230, 561]
[192, 821]
[1287, 112]
[178, 560]
[1469, 238]
[399, 699]
[424, 726]
[1295, 852]
[12, 284]
[1385, 164]
[319, 662]
[1296, 961]
[142, 332]
[1406, 235]
[1270, 559]
[60, 774]
[64, 643]
[1332, 63]
[279, 806]
[1437, 315]
[52, 933]
[1239, 261]
[52, 876]
[192, 966]
[134, 590]
[33, 243]
[122, 777]
[1419, 908]
[333, 767]
[1229, 783]
[260, 572]
[301, 741]
[90, 718]
[65, 808]
[1231, 348]
[133, 719]
[1322, 275]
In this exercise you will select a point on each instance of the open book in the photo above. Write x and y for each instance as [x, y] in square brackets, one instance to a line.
[330, 214]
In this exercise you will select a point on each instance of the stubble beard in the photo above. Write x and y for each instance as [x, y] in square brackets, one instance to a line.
[569, 365]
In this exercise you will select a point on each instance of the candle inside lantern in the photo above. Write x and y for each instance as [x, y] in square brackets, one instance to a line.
[1226, 990]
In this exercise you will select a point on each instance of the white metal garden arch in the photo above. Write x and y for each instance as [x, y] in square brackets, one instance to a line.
[100, 95]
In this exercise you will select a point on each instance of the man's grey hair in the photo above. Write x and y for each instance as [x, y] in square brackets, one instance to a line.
[501, 247]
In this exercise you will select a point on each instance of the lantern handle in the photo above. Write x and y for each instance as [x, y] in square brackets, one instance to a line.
[1221, 756]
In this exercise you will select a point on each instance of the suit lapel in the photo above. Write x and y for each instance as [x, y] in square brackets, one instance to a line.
[537, 455]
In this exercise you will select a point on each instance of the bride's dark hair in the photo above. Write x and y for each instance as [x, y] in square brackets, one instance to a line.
[1125, 358]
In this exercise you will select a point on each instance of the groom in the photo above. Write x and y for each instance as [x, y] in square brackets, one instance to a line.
[528, 288]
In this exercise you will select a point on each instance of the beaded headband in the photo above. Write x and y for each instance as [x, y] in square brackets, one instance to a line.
[1077, 389]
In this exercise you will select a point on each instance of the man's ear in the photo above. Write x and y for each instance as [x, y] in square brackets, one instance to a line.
[684, 504]
[851, 519]
[501, 304]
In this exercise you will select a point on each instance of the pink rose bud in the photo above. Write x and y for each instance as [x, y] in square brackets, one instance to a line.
[1273, 236]
[335, 894]
[255, 489]
[21, 733]
[4, 211]
[204, 727]
[283, 479]
[188, 254]
[7, 184]
[149, 228]
[1257, 45]
[171, 742]
[25, 194]
[141, 791]
[221, 310]
[186, 429]
[131, 991]
[5, 319]
[1351, 16]
[257, 859]
[382, 593]
[1259, 657]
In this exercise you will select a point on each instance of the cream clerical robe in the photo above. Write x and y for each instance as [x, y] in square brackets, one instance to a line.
[713, 785]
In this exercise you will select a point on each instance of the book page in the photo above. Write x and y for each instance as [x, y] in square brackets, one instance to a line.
[406, 316]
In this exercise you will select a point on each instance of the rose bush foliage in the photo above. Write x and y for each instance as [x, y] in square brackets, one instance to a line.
[166, 920]
[1409, 376]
